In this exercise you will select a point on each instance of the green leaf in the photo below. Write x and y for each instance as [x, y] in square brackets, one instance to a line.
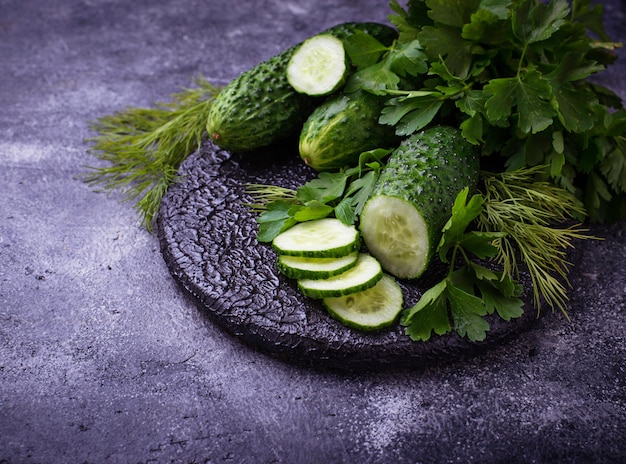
[408, 59]
[312, 210]
[472, 102]
[453, 13]
[501, 9]
[574, 66]
[418, 118]
[401, 20]
[480, 244]
[355, 197]
[274, 220]
[447, 42]
[591, 17]
[363, 50]
[507, 307]
[557, 162]
[467, 311]
[531, 93]
[463, 213]
[500, 95]
[397, 108]
[535, 21]
[375, 79]
[574, 106]
[613, 166]
[472, 129]
[533, 103]
[486, 24]
[327, 186]
[430, 314]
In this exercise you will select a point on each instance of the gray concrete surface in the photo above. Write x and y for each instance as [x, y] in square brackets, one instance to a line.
[104, 360]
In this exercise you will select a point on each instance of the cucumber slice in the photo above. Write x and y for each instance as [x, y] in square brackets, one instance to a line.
[319, 66]
[298, 267]
[320, 238]
[412, 200]
[365, 274]
[371, 309]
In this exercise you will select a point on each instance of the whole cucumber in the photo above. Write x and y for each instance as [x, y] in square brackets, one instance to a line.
[260, 107]
[342, 128]
[412, 200]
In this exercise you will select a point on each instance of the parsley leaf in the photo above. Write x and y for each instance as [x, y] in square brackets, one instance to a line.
[430, 314]
[342, 194]
[516, 72]
[536, 21]
[469, 292]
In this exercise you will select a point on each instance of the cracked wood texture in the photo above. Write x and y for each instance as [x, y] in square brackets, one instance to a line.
[208, 240]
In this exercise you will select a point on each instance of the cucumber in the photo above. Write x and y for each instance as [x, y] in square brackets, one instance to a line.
[412, 200]
[320, 238]
[260, 107]
[365, 274]
[299, 267]
[342, 128]
[319, 66]
[371, 309]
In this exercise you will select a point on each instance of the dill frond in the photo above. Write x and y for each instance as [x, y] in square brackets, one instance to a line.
[263, 194]
[532, 213]
[145, 146]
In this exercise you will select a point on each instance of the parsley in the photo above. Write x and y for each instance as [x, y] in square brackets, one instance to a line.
[469, 292]
[532, 213]
[342, 194]
[513, 75]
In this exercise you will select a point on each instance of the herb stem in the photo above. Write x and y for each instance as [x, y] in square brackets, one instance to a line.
[145, 146]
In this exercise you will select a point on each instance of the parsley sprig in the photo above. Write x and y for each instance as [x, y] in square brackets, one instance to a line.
[341, 194]
[514, 76]
[469, 291]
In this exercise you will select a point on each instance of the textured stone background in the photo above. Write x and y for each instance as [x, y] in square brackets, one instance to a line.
[104, 360]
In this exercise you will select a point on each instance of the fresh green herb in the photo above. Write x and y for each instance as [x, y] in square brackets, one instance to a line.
[512, 75]
[394, 65]
[531, 213]
[470, 291]
[145, 146]
[342, 194]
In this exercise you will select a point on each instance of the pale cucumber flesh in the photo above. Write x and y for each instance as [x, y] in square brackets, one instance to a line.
[396, 234]
[321, 238]
[319, 66]
[365, 274]
[370, 309]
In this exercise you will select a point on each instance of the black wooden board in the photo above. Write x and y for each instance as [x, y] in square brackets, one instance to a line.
[208, 240]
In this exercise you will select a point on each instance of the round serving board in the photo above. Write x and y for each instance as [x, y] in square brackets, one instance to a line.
[208, 240]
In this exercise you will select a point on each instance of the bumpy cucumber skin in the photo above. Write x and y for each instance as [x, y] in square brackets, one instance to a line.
[428, 170]
[260, 107]
[342, 128]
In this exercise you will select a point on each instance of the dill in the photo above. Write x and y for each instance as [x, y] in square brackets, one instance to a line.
[264, 194]
[532, 214]
[145, 146]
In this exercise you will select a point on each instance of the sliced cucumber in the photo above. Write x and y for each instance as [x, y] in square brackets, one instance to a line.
[412, 200]
[397, 235]
[365, 274]
[371, 309]
[321, 238]
[299, 267]
[319, 66]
